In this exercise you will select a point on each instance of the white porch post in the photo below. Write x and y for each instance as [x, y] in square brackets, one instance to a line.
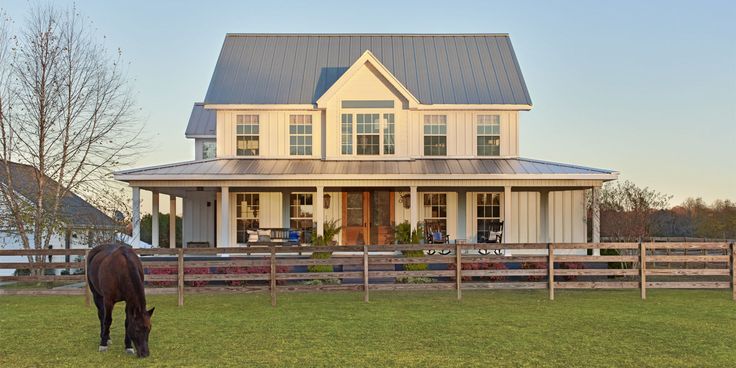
[506, 213]
[136, 230]
[544, 216]
[172, 221]
[414, 211]
[596, 236]
[154, 219]
[319, 213]
[224, 237]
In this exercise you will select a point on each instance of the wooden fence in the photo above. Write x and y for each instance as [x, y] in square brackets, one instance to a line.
[401, 267]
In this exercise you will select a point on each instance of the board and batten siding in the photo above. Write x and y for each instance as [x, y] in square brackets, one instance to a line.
[198, 220]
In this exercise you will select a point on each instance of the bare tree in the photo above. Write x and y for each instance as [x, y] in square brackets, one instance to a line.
[66, 109]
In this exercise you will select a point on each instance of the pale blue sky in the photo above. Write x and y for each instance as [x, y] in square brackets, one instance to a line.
[647, 88]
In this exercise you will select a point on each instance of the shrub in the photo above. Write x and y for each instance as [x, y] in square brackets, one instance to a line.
[534, 266]
[249, 270]
[414, 266]
[414, 280]
[331, 229]
[481, 266]
[163, 271]
[571, 266]
[196, 271]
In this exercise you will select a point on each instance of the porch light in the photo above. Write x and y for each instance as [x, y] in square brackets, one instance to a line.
[405, 199]
[327, 198]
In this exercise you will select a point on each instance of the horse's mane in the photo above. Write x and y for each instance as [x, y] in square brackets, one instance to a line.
[135, 277]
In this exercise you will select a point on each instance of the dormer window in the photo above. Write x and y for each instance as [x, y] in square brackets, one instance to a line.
[373, 134]
[247, 135]
[489, 135]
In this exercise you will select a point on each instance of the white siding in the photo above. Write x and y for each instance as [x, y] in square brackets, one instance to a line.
[198, 222]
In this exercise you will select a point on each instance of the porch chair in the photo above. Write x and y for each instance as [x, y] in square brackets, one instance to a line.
[433, 235]
[492, 233]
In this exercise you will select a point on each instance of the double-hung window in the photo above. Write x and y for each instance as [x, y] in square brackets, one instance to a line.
[209, 150]
[300, 135]
[300, 210]
[247, 135]
[488, 213]
[435, 212]
[435, 135]
[246, 211]
[488, 135]
[373, 134]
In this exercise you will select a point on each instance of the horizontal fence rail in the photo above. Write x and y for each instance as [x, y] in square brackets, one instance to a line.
[275, 269]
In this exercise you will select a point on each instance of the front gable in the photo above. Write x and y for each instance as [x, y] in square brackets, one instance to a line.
[368, 80]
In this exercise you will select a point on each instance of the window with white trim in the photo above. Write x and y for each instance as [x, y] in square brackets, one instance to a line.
[209, 150]
[246, 133]
[346, 130]
[488, 133]
[435, 135]
[247, 206]
[435, 212]
[300, 135]
[373, 134]
[488, 212]
[300, 210]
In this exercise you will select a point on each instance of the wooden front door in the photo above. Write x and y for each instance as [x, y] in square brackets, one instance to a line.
[368, 217]
[356, 215]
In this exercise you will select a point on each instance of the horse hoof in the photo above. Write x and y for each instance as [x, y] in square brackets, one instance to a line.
[130, 351]
[102, 348]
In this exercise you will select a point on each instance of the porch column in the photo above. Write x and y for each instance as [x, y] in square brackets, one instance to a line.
[595, 204]
[172, 222]
[414, 211]
[224, 237]
[506, 213]
[136, 229]
[319, 211]
[154, 219]
[544, 216]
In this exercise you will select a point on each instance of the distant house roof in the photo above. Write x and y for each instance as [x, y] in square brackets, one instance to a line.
[239, 168]
[202, 123]
[75, 211]
[435, 68]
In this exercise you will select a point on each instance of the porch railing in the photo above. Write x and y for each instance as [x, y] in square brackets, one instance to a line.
[271, 269]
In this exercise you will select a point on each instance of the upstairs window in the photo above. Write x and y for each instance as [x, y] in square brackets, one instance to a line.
[247, 135]
[368, 131]
[300, 135]
[373, 134]
[346, 130]
[435, 135]
[209, 150]
[489, 135]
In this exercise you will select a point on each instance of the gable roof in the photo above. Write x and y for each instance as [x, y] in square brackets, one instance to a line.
[202, 123]
[300, 68]
[74, 210]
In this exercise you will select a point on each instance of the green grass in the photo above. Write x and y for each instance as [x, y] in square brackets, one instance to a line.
[422, 329]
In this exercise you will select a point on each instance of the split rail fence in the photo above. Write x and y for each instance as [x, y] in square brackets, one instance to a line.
[369, 268]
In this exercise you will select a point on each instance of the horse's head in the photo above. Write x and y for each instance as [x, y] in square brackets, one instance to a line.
[138, 330]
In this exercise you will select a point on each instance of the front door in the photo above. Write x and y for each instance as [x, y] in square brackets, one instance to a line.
[356, 212]
[369, 217]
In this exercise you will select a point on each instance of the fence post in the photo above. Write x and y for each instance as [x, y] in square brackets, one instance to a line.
[87, 290]
[551, 270]
[180, 277]
[458, 270]
[733, 271]
[273, 276]
[643, 268]
[365, 274]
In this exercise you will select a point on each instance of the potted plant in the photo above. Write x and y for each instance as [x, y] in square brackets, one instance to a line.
[331, 229]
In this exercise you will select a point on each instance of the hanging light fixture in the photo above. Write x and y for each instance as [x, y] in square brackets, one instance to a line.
[405, 199]
[327, 199]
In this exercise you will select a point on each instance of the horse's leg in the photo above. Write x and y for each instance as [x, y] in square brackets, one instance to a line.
[99, 303]
[105, 336]
[128, 345]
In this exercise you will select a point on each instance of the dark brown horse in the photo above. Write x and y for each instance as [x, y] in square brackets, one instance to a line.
[115, 274]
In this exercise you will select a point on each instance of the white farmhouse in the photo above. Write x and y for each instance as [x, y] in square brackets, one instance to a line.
[369, 130]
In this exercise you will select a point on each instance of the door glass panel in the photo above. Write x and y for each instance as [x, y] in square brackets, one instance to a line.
[381, 207]
[355, 209]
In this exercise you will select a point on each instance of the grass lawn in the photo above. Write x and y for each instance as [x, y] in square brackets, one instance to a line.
[423, 329]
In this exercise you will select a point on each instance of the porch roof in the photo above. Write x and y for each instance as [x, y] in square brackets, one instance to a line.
[448, 168]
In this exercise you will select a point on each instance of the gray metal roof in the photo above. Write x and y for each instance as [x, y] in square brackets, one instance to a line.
[299, 68]
[202, 123]
[232, 168]
[73, 210]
